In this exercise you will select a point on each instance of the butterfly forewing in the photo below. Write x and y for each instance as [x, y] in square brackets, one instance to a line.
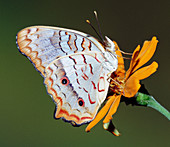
[42, 45]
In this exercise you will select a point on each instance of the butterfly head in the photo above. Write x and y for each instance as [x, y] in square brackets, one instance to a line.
[109, 45]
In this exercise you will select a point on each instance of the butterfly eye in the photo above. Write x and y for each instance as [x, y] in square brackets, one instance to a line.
[81, 102]
[64, 81]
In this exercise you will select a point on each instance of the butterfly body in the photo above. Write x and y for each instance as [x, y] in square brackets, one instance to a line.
[75, 67]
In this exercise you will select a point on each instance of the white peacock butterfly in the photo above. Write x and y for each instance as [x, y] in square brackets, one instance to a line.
[75, 67]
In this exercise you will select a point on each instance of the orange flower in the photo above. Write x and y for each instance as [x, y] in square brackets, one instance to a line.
[127, 83]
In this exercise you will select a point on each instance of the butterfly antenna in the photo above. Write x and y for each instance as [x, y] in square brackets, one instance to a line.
[94, 29]
[100, 32]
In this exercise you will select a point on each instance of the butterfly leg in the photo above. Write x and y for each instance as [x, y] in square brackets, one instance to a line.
[109, 74]
[114, 83]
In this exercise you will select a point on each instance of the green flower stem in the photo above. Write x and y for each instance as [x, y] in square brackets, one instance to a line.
[149, 101]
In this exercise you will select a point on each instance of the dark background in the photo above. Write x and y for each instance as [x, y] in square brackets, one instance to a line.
[25, 108]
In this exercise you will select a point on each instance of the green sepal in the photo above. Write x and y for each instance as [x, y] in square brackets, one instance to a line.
[149, 101]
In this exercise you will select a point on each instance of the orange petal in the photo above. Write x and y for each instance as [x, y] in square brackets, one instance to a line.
[146, 71]
[131, 87]
[120, 69]
[113, 108]
[132, 63]
[139, 59]
[132, 84]
[146, 52]
[101, 113]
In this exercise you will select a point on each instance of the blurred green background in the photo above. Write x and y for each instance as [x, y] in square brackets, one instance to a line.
[25, 108]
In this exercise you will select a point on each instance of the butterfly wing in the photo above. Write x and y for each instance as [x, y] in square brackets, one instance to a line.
[73, 67]
[42, 44]
[78, 85]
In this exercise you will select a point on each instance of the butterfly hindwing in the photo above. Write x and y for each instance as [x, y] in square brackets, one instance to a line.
[78, 85]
